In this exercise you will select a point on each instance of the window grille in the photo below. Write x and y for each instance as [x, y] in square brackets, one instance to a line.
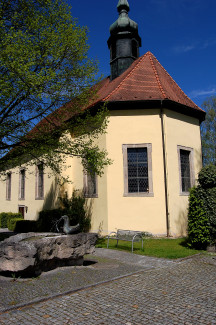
[185, 170]
[137, 170]
[137, 163]
[8, 186]
[22, 184]
[40, 181]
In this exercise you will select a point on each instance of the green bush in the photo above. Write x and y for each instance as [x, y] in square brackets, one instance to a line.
[198, 223]
[12, 216]
[209, 199]
[202, 210]
[24, 226]
[5, 218]
[77, 210]
[12, 223]
[47, 219]
[207, 176]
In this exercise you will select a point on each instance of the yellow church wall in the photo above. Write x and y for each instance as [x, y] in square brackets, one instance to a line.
[112, 209]
[180, 130]
[135, 213]
[32, 205]
[98, 206]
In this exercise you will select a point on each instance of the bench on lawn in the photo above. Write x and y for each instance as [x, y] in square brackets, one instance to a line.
[126, 235]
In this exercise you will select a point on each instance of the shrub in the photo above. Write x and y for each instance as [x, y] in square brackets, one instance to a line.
[207, 176]
[47, 219]
[198, 223]
[12, 223]
[202, 209]
[5, 218]
[77, 210]
[12, 216]
[209, 199]
[25, 226]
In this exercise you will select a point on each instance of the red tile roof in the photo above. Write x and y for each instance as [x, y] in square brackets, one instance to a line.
[144, 80]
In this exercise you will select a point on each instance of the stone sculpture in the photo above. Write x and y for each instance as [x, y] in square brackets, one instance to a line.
[67, 229]
[32, 253]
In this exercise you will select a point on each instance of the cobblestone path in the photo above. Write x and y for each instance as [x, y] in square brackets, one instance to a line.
[178, 293]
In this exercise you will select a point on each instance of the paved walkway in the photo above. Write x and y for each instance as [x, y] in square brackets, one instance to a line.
[115, 288]
[120, 288]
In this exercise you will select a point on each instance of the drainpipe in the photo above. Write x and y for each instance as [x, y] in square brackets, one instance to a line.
[165, 169]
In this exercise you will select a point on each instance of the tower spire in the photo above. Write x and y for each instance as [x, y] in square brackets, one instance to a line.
[124, 41]
[123, 4]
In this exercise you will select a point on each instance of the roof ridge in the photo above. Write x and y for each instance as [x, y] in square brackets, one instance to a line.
[167, 73]
[156, 74]
[127, 76]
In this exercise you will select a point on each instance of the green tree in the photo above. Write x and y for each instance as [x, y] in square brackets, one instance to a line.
[208, 132]
[46, 79]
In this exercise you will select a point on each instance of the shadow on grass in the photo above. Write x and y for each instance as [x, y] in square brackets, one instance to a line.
[185, 242]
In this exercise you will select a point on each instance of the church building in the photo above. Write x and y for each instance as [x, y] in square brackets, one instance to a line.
[153, 138]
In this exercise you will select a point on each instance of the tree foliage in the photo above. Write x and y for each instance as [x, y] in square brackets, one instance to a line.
[208, 132]
[44, 66]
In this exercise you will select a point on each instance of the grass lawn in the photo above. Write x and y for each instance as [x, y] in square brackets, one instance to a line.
[165, 247]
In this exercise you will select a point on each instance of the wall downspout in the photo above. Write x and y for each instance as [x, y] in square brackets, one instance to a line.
[165, 170]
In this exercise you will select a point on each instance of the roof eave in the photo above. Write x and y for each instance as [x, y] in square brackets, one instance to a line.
[151, 104]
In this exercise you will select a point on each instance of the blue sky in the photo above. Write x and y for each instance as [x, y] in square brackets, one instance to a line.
[180, 33]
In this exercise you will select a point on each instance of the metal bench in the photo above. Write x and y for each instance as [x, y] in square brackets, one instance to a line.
[126, 235]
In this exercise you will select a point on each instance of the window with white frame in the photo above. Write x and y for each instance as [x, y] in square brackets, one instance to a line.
[137, 160]
[40, 182]
[186, 169]
[90, 184]
[22, 184]
[8, 186]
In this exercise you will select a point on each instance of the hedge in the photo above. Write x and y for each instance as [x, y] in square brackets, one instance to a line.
[12, 223]
[198, 222]
[202, 210]
[23, 226]
[6, 216]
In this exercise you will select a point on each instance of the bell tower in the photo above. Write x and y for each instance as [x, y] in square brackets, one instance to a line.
[124, 41]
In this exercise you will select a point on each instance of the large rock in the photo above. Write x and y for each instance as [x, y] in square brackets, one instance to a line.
[30, 254]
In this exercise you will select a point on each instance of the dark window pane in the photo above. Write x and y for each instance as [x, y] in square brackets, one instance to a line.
[142, 170]
[132, 185]
[132, 155]
[40, 180]
[22, 184]
[142, 155]
[185, 170]
[137, 170]
[132, 170]
[143, 185]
